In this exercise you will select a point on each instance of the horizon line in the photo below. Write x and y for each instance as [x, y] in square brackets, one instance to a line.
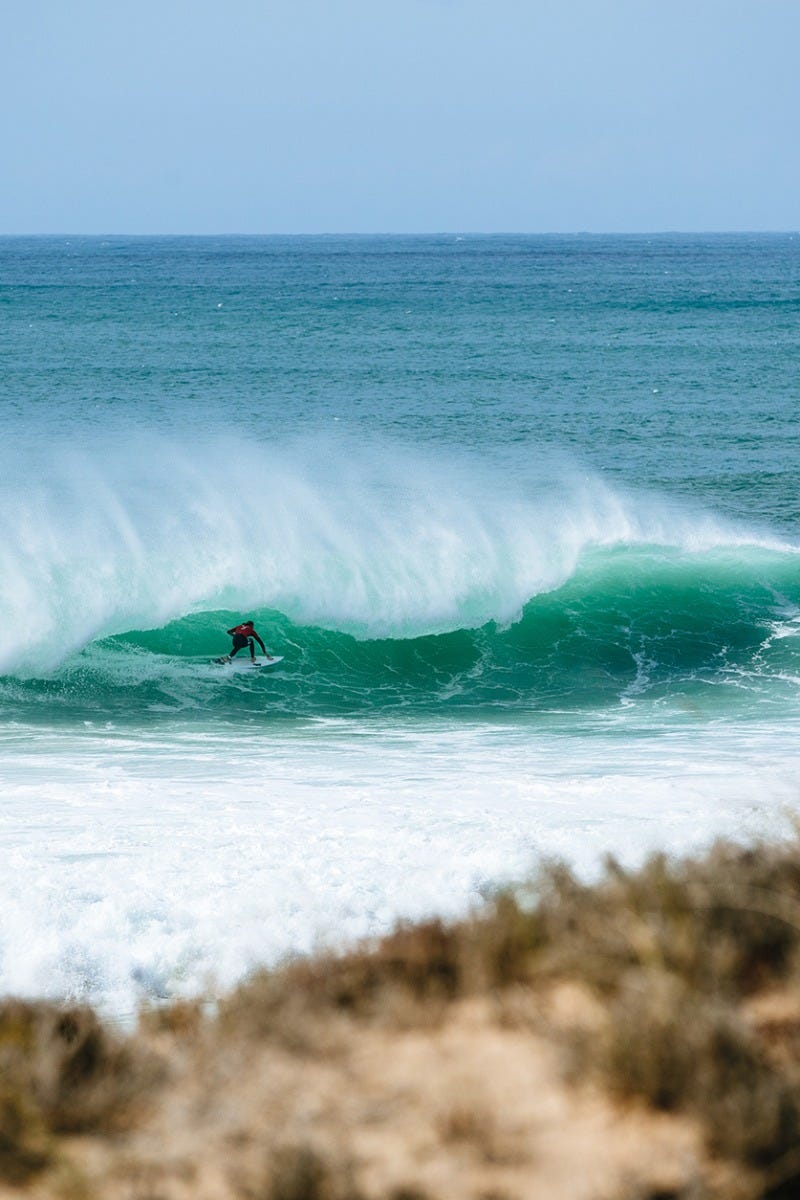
[457, 233]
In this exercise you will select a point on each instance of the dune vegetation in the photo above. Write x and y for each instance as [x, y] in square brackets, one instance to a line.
[636, 1038]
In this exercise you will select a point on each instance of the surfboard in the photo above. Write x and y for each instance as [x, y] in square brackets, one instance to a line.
[247, 664]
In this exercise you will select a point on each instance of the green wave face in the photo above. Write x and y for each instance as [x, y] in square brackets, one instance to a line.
[700, 634]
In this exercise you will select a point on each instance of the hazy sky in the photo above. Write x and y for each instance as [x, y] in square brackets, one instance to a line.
[259, 116]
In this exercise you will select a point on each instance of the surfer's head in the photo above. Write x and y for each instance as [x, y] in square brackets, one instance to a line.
[247, 622]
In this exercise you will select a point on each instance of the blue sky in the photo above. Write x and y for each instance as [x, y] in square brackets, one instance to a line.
[307, 116]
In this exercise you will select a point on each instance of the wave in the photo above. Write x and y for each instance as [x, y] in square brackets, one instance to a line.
[385, 575]
[716, 633]
[372, 540]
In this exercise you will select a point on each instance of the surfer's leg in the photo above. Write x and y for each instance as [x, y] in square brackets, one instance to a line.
[239, 643]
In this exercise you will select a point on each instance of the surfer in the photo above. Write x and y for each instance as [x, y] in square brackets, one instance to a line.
[244, 635]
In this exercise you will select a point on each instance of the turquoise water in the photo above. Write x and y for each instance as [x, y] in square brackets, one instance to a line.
[537, 496]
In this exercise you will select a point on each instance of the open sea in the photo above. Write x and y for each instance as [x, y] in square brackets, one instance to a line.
[522, 514]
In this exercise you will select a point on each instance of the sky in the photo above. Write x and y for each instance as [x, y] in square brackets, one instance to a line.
[377, 116]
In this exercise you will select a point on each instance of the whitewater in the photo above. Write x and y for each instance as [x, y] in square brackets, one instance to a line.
[506, 633]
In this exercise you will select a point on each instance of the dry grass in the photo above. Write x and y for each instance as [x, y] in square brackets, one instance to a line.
[647, 1026]
[62, 1072]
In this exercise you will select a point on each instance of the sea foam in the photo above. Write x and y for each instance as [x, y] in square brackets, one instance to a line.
[146, 868]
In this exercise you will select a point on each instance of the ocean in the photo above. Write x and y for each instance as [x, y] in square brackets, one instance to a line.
[520, 513]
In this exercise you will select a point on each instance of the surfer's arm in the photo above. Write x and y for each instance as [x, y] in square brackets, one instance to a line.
[261, 644]
[231, 632]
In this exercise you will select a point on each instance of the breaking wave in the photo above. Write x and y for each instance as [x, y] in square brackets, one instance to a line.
[384, 575]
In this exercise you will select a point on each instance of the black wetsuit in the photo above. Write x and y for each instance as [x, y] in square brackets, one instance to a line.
[239, 643]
